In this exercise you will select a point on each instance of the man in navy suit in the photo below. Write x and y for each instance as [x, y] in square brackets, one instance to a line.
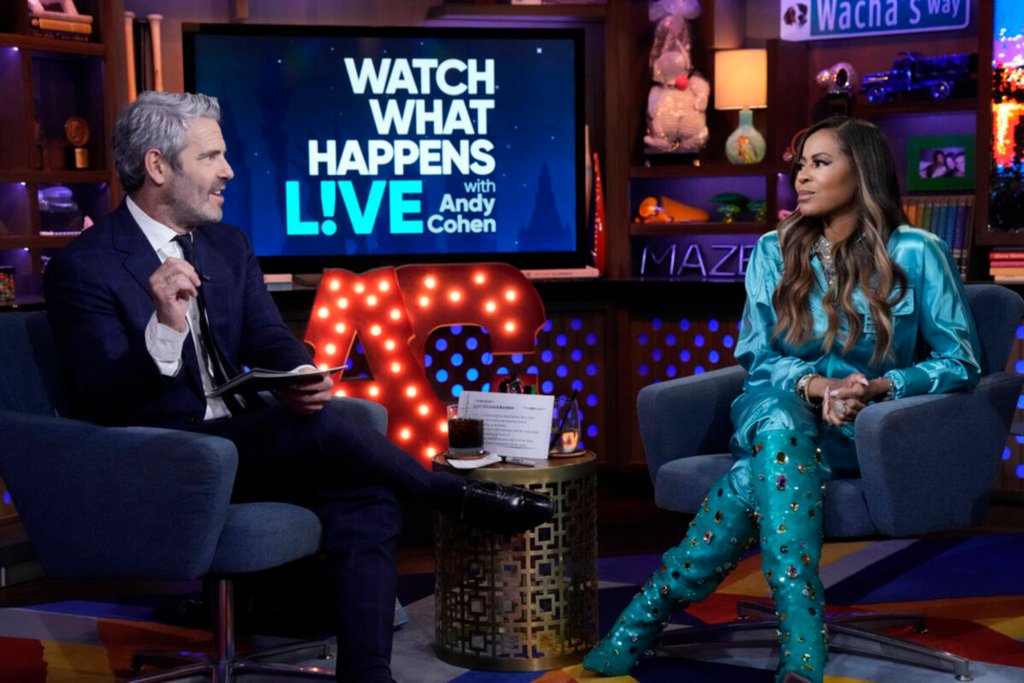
[155, 304]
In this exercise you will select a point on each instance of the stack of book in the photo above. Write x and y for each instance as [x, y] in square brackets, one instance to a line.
[60, 25]
[1006, 264]
[951, 217]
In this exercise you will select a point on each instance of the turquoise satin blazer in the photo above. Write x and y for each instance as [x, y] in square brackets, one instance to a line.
[935, 343]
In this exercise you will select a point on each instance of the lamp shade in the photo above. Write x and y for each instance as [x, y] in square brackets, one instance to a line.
[741, 79]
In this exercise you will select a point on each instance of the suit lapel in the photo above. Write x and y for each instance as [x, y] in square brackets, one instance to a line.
[140, 261]
[139, 258]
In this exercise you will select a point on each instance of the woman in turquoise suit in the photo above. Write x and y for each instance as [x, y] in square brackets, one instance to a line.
[846, 306]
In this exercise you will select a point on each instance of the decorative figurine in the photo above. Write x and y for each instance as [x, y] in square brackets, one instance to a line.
[76, 130]
[666, 210]
[729, 212]
[512, 385]
[840, 82]
[678, 99]
[912, 72]
[838, 79]
[760, 209]
[730, 204]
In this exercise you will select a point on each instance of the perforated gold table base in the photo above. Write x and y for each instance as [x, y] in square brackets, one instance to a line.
[525, 602]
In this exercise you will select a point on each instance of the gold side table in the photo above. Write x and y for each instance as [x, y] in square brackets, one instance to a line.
[523, 602]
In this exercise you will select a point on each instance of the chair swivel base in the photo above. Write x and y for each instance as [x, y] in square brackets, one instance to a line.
[847, 633]
[269, 664]
[223, 666]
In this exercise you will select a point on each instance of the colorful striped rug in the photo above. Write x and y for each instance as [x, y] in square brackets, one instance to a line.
[970, 589]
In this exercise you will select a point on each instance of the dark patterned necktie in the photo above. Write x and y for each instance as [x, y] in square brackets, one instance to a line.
[208, 342]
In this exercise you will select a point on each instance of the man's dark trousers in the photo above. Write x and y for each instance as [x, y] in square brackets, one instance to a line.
[353, 477]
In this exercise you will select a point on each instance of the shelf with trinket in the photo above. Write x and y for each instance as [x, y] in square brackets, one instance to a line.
[58, 61]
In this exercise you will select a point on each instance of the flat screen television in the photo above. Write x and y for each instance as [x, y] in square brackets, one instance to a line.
[357, 147]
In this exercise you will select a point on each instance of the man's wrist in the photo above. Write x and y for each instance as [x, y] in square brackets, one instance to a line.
[164, 345]
[180, 326]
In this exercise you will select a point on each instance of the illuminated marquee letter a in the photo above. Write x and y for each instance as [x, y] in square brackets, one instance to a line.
[394, 310]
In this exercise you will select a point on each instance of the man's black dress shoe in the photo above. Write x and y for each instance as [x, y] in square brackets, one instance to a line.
[505, 509]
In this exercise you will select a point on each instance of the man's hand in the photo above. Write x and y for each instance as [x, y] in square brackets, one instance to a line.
[306, 399]
[173, 285]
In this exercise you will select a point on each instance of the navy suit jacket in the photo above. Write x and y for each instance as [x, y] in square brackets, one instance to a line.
[99, 302]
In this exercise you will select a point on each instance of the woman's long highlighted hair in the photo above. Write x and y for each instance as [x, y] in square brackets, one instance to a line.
[860, 261]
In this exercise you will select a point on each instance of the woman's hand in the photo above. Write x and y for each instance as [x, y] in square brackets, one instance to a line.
[843, 399]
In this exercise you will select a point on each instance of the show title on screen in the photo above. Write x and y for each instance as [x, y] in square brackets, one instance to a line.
[431, 119]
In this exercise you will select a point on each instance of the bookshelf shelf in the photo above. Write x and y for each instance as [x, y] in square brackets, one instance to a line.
[55, 45]
[696, 227]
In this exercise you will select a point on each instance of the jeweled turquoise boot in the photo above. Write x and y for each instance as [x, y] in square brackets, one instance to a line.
[787, 492]
[718, 536]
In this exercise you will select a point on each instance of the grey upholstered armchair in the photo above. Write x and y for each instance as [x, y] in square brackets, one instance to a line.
[928, 463]
[139, 502]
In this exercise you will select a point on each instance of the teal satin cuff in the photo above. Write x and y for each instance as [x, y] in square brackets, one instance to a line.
[899, 387]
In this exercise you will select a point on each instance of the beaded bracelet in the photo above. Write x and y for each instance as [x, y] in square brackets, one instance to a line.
[802, 385]
[891, 393]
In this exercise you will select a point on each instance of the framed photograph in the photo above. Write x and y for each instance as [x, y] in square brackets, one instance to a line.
[940, 162]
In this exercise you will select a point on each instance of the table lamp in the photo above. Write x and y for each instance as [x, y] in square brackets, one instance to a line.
[741, 82]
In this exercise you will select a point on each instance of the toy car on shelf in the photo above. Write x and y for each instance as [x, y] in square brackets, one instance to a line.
[912, 71]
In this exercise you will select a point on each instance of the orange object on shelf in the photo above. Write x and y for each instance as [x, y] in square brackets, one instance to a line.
[666, 210]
